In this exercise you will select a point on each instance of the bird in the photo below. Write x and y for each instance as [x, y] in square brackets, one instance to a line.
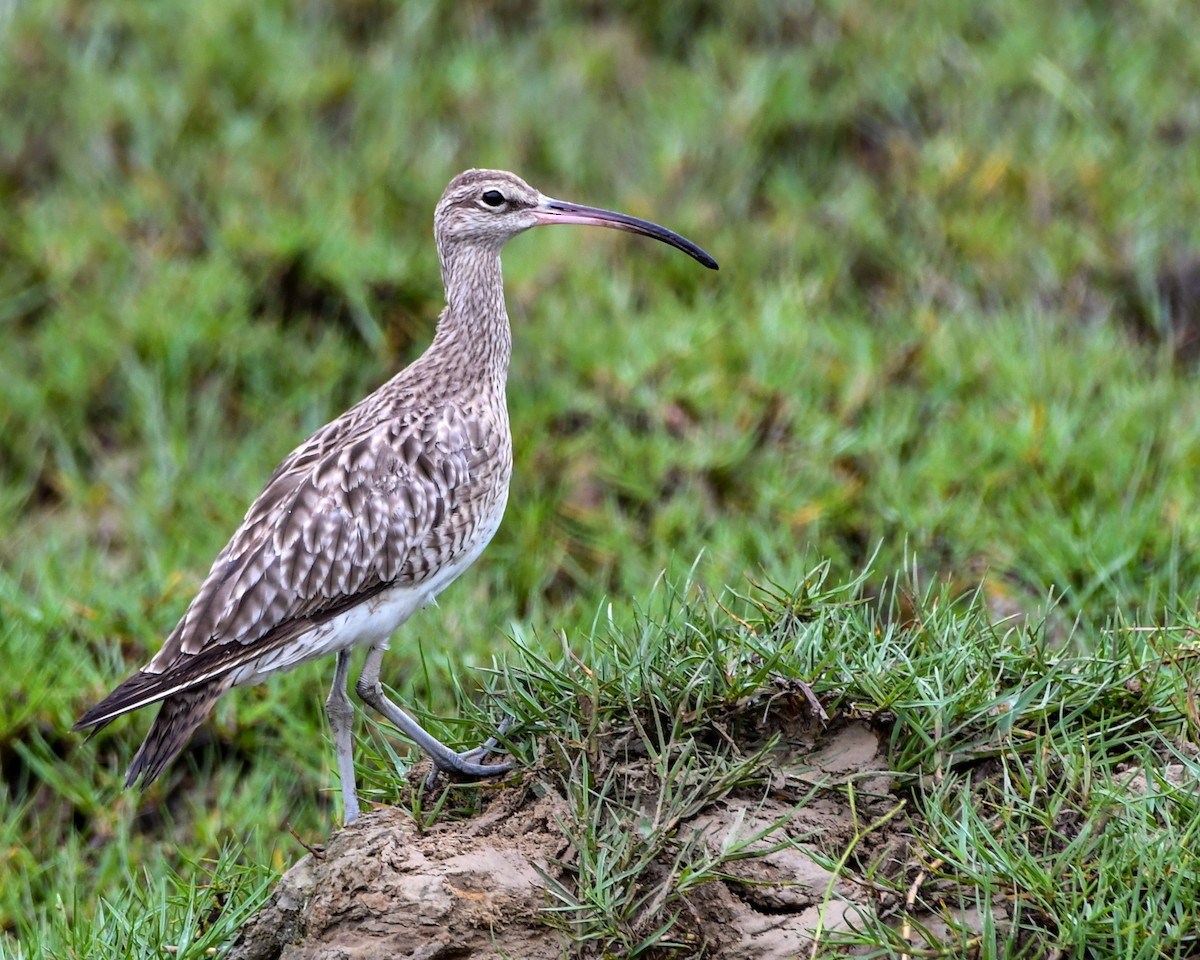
[372, 516]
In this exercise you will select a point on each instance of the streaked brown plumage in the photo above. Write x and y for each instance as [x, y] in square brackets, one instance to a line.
[372, 516]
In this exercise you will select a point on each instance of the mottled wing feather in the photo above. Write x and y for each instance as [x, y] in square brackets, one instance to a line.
[339, 523]
[369, 501]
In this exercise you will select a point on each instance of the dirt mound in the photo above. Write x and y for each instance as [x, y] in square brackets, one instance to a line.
[478, 887]
[381, 889]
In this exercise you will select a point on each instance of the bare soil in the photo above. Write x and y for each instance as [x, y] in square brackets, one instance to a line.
[476, 888]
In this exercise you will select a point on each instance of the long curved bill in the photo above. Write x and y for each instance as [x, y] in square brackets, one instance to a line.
[560, 211]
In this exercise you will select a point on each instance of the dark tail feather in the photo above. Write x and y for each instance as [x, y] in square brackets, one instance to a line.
[178, 717]
[140, 690]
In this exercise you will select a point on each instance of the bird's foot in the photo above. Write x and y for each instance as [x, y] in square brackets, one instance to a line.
[467, 765]
[460, 766]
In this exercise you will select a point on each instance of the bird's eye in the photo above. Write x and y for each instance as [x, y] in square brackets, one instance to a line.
[493, 198]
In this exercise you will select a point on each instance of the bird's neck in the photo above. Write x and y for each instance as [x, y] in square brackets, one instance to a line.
[474, 327]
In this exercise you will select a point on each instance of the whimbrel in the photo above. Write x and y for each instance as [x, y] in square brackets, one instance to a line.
[371, 517]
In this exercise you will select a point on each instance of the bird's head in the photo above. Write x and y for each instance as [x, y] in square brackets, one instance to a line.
[487, 208]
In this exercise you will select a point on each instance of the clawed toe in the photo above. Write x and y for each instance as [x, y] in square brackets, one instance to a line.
[465, 771]
[467, 766]
[480, 752]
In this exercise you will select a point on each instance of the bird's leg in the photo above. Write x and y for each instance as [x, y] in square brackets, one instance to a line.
[444, 759]
[341, 722]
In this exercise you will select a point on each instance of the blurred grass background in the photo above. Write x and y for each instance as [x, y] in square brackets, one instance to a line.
[957, 320]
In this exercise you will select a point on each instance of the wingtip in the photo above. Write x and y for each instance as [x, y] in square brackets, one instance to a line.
[92, 722]
[96, 718]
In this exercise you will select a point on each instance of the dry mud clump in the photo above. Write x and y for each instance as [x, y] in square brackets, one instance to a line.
[478, 887]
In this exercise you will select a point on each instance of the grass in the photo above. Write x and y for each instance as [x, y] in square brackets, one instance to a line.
[1015, 763]
[952, 341]
[189, 914]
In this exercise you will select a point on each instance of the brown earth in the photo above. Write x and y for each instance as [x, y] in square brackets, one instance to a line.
[477, 888]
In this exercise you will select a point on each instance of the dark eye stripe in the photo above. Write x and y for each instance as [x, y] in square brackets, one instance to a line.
[493, 198]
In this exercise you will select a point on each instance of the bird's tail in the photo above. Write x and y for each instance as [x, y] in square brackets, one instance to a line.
[178, 717]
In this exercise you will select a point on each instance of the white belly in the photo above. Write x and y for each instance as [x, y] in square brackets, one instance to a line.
[373, 621]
